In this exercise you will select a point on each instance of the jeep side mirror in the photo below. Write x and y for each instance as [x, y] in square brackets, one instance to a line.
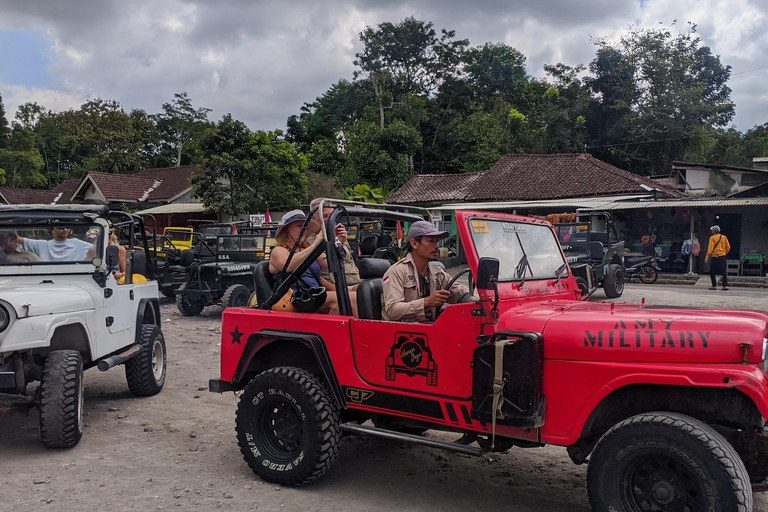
[487, 273]
[112, 254]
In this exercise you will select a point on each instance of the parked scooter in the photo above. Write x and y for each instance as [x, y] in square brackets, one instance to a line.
[644, 268]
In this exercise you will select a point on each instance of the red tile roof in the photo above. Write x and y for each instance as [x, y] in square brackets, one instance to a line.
[65, 190]
[529, 177]
[435, 188]
[27, 195]
[174, 180]
[120, 187]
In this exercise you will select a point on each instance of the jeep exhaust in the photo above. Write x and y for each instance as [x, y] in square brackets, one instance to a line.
[108, 362]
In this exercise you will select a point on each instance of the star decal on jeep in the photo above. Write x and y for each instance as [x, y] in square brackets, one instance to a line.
[236, 336]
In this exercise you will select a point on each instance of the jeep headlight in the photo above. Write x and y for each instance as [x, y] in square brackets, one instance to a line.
[5, 318]
[764, 364]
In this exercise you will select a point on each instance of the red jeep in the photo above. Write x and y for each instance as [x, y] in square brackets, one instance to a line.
[669, 404]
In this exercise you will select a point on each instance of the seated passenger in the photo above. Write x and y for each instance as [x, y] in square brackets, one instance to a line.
[10, 249]
[351, 274]
[118, 269]
[412, 289]
[288, 231]
[61, 248]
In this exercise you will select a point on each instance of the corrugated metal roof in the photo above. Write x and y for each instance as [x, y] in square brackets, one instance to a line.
[176, 208]
[576, 202]
[683, 203]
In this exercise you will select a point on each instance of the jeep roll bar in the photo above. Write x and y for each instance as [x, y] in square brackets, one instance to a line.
[335, 263]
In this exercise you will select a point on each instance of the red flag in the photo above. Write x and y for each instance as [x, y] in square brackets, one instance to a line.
[266, 216]
[399, 233]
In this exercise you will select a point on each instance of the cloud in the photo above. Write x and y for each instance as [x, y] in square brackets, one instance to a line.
[262, 60]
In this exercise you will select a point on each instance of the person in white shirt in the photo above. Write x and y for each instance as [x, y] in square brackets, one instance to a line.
[60, 248]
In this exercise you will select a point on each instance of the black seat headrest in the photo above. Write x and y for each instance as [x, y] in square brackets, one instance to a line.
[369, 299]
[369, 245]
[139, 263]
[372, 267]
[263, 281]
[187, 257]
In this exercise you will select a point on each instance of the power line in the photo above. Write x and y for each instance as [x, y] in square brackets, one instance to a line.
[637, 142]
[749, 71]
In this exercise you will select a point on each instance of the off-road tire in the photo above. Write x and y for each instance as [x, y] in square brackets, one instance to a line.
[613, 281]
[666, 461]
[61, 399]
[304, 437]
[236, 296]
[145, 373]
[648, 275]
[187, 307]
[583, 286]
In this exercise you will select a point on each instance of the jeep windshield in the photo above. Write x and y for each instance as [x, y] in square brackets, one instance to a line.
[525, 251]
[569, 233]
[59, 244]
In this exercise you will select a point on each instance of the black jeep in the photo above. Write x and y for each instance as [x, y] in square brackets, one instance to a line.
[594, 252]
[228, 279]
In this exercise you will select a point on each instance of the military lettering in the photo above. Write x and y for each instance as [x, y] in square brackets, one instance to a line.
[646, 334]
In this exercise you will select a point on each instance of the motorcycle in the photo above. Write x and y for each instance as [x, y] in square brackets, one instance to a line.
[644, 268]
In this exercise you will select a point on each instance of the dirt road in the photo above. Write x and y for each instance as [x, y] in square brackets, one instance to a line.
[177, 450]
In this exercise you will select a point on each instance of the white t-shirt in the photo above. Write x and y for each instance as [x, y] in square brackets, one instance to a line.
[71, 249]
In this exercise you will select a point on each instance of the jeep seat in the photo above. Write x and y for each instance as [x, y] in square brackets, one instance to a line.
[369, 290]
[369, 299]
[369, 245]
[139, 262]
[372, 267]
[263, 280]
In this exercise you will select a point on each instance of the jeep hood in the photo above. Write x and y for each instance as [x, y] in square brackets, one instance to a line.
[45, 299]
[604, 331]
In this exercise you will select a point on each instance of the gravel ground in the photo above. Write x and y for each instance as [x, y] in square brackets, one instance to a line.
[177, 450]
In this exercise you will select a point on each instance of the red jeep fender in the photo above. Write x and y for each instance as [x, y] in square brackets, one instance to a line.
[747, 379]
[258, 341]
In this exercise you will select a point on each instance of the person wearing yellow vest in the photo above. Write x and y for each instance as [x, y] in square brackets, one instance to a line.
[717, 249]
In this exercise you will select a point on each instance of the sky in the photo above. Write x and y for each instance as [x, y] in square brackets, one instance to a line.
[260, 60]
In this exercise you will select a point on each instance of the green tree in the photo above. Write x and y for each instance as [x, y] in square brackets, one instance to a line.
[496, 70]
[180, 125]
[406, 58]
[4, 130]
[247, 172]
[21, 162]
[653, 88]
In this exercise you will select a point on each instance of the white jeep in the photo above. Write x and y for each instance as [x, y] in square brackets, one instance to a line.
[63, 311]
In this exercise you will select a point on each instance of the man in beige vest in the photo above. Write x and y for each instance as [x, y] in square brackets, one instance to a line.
[414, 290]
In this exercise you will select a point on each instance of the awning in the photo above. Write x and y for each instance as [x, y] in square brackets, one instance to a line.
[682, 203]
[594, 203]
[176, 208]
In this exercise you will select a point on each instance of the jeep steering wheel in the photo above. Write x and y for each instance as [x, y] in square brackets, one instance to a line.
[454, 278]
[448, 287]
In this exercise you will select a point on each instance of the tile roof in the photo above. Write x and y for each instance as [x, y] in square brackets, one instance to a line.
[435, 188]
[529, 177]
[27, 195]
[65, 190]
[148, 185]
[174, 180]
[125, 187]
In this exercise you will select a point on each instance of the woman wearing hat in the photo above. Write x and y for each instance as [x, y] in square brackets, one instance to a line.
[288, 231]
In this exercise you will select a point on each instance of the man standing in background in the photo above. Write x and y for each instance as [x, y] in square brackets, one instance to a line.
[717, 249]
